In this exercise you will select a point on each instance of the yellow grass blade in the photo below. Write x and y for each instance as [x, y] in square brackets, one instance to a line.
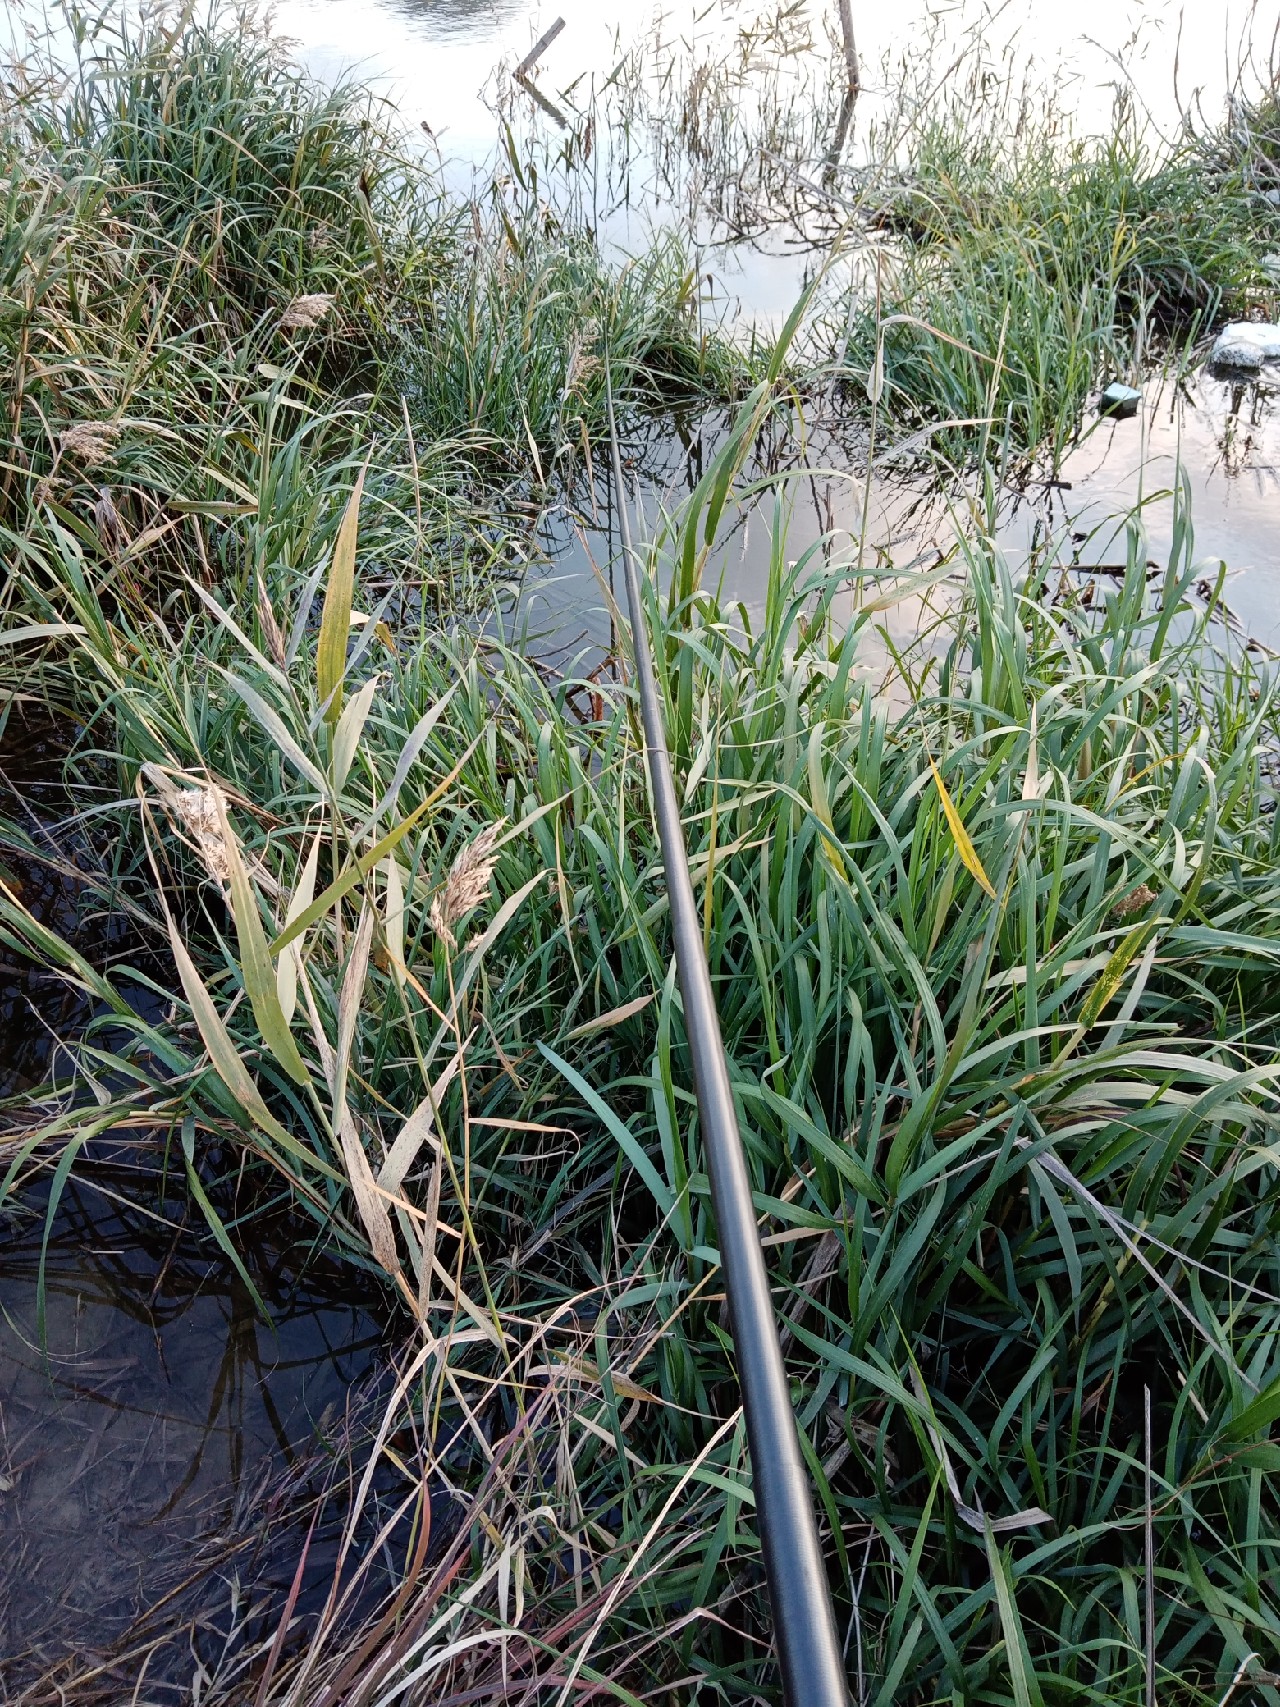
[615, 1016]
[955, 823]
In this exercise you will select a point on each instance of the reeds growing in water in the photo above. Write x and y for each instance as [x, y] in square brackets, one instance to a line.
[996, 954]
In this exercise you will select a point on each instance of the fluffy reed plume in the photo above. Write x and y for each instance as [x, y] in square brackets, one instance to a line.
[304, 312]
[90, 442]
[467, 883]
[584, 365]
[106, 518]
[197, 812]
[271, 630]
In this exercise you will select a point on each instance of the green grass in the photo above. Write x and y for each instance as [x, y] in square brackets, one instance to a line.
[522, 333]
[209, 142]
[206, 256]
[1008, 1096]
[1023, 266]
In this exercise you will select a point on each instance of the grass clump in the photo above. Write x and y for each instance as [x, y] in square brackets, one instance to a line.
[206, 253]
[997, 980]
[184, 300]
[1242, 151]
[209, 142]
[525, 333]
[1029, 265]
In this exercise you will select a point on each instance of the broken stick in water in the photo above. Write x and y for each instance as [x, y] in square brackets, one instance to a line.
[532, 90]
[539, 47]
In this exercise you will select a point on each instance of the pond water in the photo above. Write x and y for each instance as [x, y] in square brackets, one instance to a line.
[440, 59]
[149, 1416]
[652, 73]
[146, 1408]
[446, 64]
[1224, 437]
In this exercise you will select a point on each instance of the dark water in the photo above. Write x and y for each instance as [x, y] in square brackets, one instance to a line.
[36, 1007]
[149, 1420]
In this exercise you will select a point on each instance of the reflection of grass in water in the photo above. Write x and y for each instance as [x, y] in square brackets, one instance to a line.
[996, 975]
[160, 1427]
[699, 127]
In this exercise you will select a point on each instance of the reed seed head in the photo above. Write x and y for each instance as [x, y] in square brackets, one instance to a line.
[198, 812]
[106, 518]
[304, 312]
[90, 442]
[271, 630]
[467, 883]
[1135, 901]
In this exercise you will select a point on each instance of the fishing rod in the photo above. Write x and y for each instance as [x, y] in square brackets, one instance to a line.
[803, 1623]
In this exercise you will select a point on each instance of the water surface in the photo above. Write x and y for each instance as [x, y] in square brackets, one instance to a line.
[439, 58]
[146, 1409]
